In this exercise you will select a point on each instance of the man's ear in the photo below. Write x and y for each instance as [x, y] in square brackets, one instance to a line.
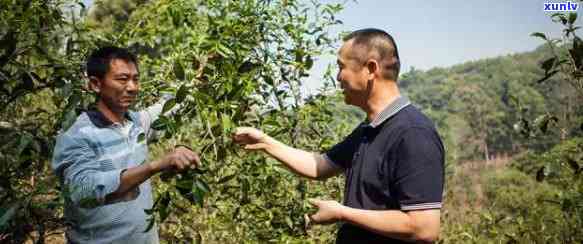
[94, 84]
[373, 68]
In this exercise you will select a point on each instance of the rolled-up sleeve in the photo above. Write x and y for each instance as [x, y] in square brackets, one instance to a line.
[153, 112]
[420, 173]
[84, 181]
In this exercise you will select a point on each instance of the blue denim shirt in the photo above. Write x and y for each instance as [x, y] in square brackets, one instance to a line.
[89, 159]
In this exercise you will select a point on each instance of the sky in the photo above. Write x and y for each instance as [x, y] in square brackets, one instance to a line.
[443, 33]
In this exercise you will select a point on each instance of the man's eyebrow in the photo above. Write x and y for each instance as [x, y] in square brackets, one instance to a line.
[122, 74]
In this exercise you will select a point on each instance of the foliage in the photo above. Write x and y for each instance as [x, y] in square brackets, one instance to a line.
[40, 92]
[566, 63]
[241, 63]
[512, 219]
[472, 104]
[541, 203]
[228, 63]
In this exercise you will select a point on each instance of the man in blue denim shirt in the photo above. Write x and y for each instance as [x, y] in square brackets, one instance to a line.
[101, 160]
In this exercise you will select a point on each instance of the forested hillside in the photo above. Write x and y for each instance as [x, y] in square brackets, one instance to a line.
[498, 186]
[477, 105]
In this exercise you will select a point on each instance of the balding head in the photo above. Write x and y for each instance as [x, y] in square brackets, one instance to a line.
[378, 45]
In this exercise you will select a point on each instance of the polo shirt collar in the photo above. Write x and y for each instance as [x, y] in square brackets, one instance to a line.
[390, 110]
[99, 120]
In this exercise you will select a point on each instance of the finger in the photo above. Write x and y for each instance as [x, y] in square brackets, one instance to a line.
[244, 130]
[314, 202]
[181, 162]
[307, 221]
[197, 159]
[241, 139]
[240, 131]
[195, 162]
[182, 148]
[191, 156]
[316, 218]
[254, 146]
[179, 166]
[189, 160]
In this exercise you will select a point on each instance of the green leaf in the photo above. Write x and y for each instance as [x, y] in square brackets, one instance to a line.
[226, 122]
[179, 71]
[539, 35]
[547, 76]
[88, 202]
[227, 178]
[202, 185]
[25, 140]
[164, 205]
[559, 17]
[8, 215]
[181, 94]
[184, 184]
[69, 118]
[289, 222]
[309, 62]
[151, 222]
[548, 64]
[168, 105]
[160, 124]
[198, 196]
[572, 17]
[149, 211]
[141, 137]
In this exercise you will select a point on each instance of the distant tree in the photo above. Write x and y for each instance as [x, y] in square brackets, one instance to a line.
[481, 110]
[111, 15]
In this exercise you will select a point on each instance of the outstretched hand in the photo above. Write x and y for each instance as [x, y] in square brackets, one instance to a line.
[250, 138]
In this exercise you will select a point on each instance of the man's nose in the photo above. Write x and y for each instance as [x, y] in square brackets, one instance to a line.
[133, 86]
[339, 79]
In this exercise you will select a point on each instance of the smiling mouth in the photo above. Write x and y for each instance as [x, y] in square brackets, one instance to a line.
[128, 100]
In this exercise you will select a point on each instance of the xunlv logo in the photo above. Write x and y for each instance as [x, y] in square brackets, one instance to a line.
[568, 6]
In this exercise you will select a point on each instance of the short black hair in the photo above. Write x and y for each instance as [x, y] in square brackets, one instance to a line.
[98, 63]
[381, 46]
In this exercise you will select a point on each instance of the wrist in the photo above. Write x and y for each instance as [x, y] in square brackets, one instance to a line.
[269, 142]
[342, 213]
[154, 167]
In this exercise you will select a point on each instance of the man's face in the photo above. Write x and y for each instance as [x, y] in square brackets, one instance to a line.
[119, 87]
[352, 76]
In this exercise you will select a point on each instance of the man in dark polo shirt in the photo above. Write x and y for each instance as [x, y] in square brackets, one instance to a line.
[393, 162]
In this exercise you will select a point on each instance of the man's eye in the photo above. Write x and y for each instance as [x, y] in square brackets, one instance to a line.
[122, 80]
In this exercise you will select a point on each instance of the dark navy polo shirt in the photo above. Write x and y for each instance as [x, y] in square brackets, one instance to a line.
[395, 162]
